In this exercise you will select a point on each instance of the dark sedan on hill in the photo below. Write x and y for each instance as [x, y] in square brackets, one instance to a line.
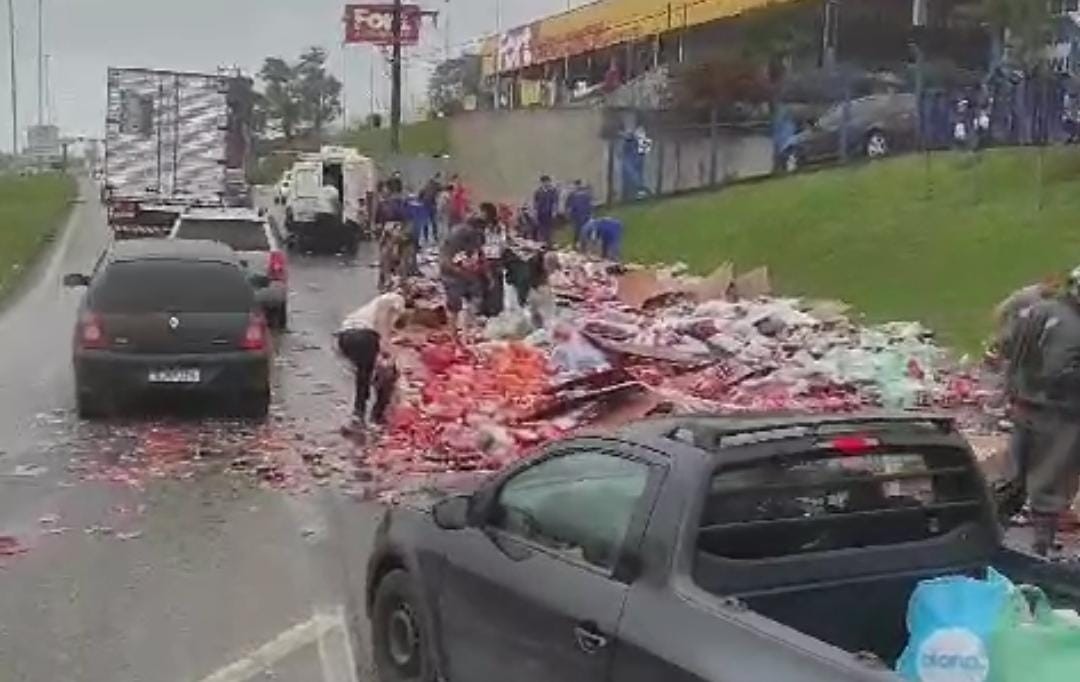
[877, 125]
[169, 317]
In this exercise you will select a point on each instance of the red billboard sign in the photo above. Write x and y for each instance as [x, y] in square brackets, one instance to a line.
[374, 24]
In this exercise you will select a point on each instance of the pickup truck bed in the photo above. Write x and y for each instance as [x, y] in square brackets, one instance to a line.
[869, 615]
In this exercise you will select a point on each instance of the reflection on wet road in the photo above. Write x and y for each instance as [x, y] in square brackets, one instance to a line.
[162, 548]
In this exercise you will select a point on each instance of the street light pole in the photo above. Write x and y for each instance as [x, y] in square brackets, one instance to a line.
[14, 84]
[395, 98]
[41, 62]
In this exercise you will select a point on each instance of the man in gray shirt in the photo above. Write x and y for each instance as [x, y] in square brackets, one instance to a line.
[1042, 349]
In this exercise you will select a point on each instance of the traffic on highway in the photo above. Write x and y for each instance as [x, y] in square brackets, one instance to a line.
[554, 340]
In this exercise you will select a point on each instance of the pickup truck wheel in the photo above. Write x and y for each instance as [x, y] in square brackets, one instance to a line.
[877, 145]
[278, 317]
[400, 639]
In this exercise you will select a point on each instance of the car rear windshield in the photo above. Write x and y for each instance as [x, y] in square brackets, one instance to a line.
[240, 235]
[820, 502]
[171, 286]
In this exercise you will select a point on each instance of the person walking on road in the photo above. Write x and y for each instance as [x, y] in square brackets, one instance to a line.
[1043, 352]
[459, 201]
[545, 205]
[429, 197]
[364, 339]
[579, 208]
[461, 270]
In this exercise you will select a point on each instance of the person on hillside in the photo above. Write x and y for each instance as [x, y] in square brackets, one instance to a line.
[364, 339]
[603, 236]
[579, 208]
[461, 271]
[1043, 352]
[545, 205]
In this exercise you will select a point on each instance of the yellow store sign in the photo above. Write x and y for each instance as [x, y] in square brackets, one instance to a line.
[603, 24]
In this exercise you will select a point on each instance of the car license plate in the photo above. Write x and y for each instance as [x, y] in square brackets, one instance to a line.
[175, 376]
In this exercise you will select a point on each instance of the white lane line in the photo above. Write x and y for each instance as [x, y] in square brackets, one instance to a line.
[335, 648]
[297, 637]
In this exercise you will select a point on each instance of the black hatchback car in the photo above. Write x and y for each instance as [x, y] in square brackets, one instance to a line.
[170, 317]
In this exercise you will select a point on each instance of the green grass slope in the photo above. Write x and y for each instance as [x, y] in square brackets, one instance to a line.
[31, 210]
[939, 240]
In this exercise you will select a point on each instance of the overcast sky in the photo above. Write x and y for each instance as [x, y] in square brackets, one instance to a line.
[85, 37]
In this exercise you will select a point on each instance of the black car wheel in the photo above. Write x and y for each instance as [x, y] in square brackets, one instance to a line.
[278, 317]
[253, 405]
[790, 161]
[91, 406]
[877, 145]
[399, 634]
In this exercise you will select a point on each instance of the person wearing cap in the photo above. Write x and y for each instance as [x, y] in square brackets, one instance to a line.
[1043, 352]
[364, 339]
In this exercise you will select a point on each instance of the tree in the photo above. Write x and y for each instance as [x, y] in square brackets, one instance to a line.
[320, 92]
[297, 98]
[452, 81]
[1023, 26]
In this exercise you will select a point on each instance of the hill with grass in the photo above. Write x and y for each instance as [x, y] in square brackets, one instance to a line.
[939, 238]
[32, 209]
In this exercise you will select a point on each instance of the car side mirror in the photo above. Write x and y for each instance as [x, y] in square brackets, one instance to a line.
[259, 281]
[452, 513]
[74, 280]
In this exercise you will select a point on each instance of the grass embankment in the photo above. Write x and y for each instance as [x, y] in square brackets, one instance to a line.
[32, 209]
[940, 242]
[421, 138]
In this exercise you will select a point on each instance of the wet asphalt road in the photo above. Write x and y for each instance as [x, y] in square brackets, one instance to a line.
[166, 549]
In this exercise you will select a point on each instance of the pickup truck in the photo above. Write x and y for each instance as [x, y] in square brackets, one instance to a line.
[733, 549]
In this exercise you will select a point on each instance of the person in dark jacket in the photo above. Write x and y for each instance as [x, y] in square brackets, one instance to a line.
[545, 205]
[1043, 352]
[579, 208]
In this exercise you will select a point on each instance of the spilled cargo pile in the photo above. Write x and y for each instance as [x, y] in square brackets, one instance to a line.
[624, 344]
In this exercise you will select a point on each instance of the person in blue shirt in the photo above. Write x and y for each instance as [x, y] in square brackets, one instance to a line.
[545, 205]
[604, 234]
[579, 208]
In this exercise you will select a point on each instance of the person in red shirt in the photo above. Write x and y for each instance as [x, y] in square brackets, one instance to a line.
[459, 201]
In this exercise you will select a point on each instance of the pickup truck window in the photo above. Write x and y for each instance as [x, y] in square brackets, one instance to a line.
[821, 502]
[579, 504]
[239, 235]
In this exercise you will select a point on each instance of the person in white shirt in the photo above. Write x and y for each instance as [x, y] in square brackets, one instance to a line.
[329, 200]
[364, 340]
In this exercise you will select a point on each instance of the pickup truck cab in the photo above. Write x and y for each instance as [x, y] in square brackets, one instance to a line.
[733, 549]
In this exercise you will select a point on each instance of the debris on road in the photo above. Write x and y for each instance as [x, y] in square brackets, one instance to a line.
[650, 341]
[10, 546]
[28, 471]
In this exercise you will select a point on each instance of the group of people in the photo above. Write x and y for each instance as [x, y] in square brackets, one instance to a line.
[1039, 344]
[481, 255]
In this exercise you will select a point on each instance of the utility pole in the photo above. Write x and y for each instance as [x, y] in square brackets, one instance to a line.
[40, 62]
[395, 77]
[14, 85]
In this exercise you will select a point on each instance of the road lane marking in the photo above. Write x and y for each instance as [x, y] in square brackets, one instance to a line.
[267, 655]
[327, 630]
[335, 648]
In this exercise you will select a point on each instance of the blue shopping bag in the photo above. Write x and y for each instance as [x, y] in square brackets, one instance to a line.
[950, 623]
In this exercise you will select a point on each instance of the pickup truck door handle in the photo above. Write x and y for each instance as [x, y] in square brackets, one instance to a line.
[589, 639]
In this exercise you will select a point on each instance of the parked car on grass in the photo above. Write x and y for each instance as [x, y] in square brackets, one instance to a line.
[877, 125]
[733, 549]
[258, 246]
[169, 317]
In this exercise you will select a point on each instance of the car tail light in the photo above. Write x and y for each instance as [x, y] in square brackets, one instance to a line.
[255, 334]
[91, 331]
[852, 446]
[277, 270]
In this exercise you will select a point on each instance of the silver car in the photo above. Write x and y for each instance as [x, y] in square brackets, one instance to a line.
[258, 246]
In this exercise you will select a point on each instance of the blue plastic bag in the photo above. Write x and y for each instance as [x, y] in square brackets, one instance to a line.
[950, 622]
